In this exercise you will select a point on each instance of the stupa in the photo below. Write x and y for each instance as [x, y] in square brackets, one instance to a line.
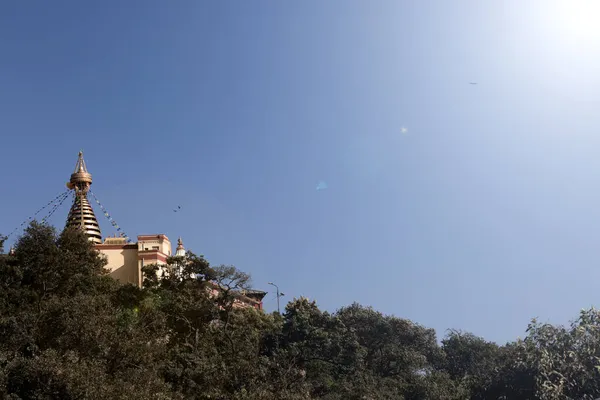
[81, 214]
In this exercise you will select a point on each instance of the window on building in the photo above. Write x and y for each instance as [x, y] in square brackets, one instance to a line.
[154, 247]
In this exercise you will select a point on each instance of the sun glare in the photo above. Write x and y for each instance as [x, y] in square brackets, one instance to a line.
[579, 19]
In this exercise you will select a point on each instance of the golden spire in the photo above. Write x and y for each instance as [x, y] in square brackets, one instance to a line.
[81, 214]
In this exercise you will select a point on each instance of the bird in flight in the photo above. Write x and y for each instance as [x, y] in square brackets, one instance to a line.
[178, 208]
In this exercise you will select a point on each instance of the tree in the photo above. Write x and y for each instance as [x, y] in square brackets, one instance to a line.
[318, 345]
[69, 331]
[470, 360]
[398, 355]
[566, 360]
[65, 334]
[178, 271]
[56, 265]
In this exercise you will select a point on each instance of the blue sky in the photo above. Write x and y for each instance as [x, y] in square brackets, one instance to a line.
[481, 216]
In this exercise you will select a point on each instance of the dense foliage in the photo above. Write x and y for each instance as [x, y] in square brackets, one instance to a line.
[69, 331]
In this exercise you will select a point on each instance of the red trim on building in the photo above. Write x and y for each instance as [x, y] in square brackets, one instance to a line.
[116, 246]
[152, 255]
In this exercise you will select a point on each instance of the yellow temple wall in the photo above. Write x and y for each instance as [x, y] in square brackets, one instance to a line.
[123, 264]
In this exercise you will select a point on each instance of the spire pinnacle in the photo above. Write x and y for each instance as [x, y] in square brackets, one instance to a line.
[81, 179]
[80, 166]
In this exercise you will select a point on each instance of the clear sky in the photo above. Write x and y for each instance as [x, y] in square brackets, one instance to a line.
[480, 214]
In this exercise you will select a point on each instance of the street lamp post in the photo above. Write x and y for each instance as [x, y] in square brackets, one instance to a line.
[278, 295]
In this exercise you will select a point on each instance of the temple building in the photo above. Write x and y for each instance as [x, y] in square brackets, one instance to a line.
[125, 259]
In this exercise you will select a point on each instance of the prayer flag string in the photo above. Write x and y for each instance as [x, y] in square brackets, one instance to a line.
[60, 199]
[56, 207]
[110, 219]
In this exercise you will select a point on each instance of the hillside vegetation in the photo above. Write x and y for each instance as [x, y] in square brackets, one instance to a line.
[69, 331]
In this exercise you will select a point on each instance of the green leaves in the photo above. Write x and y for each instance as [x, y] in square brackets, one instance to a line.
[566, 359]
[69, 331]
